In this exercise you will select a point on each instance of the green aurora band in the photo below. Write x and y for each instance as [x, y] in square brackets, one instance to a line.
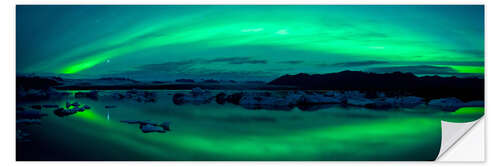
[114, 40]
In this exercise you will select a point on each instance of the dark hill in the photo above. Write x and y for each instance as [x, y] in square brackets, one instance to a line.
[34, 82]
[396, 83]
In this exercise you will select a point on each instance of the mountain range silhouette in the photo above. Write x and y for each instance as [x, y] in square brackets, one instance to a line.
[396, 83]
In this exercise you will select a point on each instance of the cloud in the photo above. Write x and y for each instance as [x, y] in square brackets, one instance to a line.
[354, 64]
[362, 35]
[236, 60]
[185, 65]
[183, 70]
[421, 69]
[477, 53]
[234, 74]
[368, 35]
[453, 63]
[292, 62]
[168, 66]
[195, 68]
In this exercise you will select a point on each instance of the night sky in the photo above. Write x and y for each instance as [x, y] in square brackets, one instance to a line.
[247, 42]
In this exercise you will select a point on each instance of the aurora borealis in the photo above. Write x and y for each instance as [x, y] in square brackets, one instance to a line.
[198, 68]
[248, 42]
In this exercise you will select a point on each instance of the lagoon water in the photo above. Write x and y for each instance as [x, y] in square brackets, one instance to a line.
[231, 132]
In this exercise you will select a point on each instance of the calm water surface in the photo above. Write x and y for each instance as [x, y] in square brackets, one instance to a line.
[230, 132]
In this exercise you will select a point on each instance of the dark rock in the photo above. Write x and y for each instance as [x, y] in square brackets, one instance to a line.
[234, 98]
[149, 126]
[165, 126]
[50, 106]
[91, 95]
[38, 107]
[220, 98]
[61, 112]
[178, 98]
